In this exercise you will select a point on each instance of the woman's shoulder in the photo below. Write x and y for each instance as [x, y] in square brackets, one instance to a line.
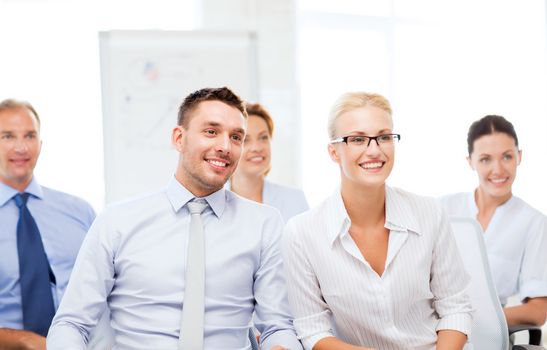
[454, 198]
[519, 207]
[314, 214]
[282, 189]
[414, 212]
[458, 204]
[288, 200]
[319, 218]
[410, 200]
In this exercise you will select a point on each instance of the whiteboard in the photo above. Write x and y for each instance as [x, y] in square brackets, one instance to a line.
[145, 75]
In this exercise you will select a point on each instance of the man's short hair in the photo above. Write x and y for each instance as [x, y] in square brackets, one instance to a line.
[222, 94]
[12, 104]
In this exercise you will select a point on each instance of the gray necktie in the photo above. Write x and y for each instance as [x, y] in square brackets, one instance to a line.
[193, 306]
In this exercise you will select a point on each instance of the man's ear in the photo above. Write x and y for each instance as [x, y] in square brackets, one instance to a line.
[177, 137]
[333, 153]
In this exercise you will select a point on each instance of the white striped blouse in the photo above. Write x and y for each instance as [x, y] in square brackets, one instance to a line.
[423, 288]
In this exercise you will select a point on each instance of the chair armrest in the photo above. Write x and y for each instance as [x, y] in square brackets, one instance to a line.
[527, 347]
[534, 331]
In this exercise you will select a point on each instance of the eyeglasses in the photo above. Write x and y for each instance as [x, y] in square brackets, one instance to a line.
[359, 140]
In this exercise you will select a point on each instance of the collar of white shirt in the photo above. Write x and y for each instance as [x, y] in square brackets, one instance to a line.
[399, 215]
[178, 196]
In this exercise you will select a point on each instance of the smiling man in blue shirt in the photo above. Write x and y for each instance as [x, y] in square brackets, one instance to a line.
[62, 221]
[134, 258]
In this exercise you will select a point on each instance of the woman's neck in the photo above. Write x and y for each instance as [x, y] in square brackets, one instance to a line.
[250, 187]
[364, 205]
[487, 206]
[485, 201]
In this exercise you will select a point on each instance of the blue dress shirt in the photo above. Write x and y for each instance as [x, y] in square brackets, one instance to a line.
[63, 221]
[133, 261]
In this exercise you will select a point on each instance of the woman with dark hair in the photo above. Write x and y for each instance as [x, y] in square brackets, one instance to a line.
[249, 180]
[514, 232]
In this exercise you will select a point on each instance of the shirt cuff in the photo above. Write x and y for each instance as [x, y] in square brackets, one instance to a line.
[533, 289]
[457, 322]
[310, 341]
[285, 338]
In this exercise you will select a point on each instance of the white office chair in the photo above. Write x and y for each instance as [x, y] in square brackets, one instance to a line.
[489, 330]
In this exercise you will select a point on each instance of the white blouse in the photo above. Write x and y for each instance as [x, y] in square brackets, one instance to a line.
[516, 242]
[423, 288]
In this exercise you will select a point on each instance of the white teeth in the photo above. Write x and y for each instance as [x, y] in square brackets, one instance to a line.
[256, 159]
[372, 165]
[217, 163]
[498, 181]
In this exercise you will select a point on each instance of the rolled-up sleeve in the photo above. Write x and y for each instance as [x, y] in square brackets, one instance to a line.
[312, 315]
[450, 283]
[533, 275]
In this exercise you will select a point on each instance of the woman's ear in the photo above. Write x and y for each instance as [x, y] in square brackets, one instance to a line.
[470, 162]
[333, 153]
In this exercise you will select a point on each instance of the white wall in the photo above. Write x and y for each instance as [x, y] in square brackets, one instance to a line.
[50, 56]
[275, 28]
[442, 64]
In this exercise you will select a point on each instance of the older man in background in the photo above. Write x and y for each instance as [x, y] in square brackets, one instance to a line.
[40, 233]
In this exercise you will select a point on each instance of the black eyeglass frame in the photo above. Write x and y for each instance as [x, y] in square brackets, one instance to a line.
[370, 138]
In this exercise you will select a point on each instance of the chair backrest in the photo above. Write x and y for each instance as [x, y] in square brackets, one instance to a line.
[489, 329]
[252, 339]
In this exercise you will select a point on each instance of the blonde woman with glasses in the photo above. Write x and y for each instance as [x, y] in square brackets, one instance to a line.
[374, 267]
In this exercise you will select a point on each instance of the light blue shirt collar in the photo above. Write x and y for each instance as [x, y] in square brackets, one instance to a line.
[178, 197]
[7, 192]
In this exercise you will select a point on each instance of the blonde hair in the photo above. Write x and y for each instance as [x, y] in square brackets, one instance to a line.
[353, 100]
[258, 110]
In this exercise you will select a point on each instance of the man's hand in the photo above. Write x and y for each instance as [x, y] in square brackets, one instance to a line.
[33, 341]
[279, 347]
[21, 340]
